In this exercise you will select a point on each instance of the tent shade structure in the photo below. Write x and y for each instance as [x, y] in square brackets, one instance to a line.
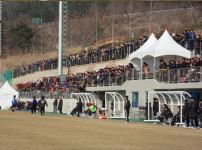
[6, 95]
[86, 97]
[138, 53]
[171, 98]
[166, 45]
[118, 110]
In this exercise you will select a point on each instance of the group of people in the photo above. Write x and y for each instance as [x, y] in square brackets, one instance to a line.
[35, 105]
[190, 113]
[186, 70]
[187, 39]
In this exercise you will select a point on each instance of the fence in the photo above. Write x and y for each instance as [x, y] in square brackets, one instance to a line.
[95, 56]
[46, 94]
[181, 75]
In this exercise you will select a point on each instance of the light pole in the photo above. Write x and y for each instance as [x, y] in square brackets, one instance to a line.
[132, 36]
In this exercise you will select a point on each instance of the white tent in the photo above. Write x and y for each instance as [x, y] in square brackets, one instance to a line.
[166, 45]
[138, 53]
[6, 95]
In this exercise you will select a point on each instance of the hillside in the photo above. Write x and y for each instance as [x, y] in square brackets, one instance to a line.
[112, 19]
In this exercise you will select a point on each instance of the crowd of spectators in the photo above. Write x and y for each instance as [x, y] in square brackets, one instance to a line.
[186, 70]
[187, 39]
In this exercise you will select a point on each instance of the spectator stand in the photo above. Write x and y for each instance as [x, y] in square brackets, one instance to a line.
[85, 98]
[170, 98]
[118, 107]
[165, 48]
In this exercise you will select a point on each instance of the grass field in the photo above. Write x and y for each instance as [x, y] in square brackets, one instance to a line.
[23, 131]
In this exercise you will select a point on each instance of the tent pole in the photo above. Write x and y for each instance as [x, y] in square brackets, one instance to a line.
[141, 69]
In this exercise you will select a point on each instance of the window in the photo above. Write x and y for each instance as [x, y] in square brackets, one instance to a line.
[135, 99]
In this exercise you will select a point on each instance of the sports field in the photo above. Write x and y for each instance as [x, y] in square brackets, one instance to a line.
[23, 131]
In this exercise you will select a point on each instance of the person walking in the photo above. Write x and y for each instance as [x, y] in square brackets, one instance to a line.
[34, 105]
[42, 103]
[14, 103]
[127, 108]
[55, 104]
[60, 105]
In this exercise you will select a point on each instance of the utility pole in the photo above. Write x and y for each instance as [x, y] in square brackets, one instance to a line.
[60, 36]
[0, 32]
[113, 23]
[96, 22]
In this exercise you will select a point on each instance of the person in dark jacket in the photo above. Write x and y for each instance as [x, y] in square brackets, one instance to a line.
[34, 105]
[185, 113]
[42, 103]
[127, 108]
[55, 104]
[112, 107]
[177, 117]
[165, 114]
[146, 110]
[155, 106]
[80, 105]
[60, 105]
[192, 112]
[200, 113]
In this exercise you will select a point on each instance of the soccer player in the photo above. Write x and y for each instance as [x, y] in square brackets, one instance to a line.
[14, 103]
[42, 102]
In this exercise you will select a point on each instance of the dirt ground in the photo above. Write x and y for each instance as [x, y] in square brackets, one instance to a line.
[21, 130]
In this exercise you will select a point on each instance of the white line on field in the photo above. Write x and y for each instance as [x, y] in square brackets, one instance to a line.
[125, 126]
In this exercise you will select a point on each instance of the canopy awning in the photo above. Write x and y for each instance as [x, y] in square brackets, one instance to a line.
[166, 45]
[138, 53]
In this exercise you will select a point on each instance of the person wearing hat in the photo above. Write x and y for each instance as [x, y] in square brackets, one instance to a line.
[60, 105]
[34, 105]
[42, 103]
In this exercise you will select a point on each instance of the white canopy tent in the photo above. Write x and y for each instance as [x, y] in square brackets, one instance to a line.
[165, 46]
[138, 53]
[6, 95]
[172, 98]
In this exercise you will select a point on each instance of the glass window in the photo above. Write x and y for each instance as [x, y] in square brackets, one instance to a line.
[135, 99]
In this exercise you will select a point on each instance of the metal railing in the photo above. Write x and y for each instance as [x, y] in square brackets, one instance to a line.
[181, 75]
[46, 94]
[95, 56]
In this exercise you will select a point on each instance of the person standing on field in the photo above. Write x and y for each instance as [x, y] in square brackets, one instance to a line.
[34, 105]
[42, 103]
[127, 108]
[60, 105]
[14, 103]
[55, 104]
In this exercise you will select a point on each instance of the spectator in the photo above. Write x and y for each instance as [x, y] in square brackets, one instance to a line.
[200, 113]
[55, 103]
[192, 112]
[60, 105]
